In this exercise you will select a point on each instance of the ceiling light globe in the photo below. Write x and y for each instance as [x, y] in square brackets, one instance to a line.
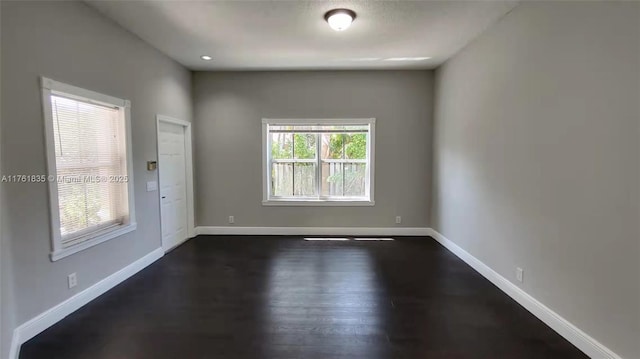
[340, 19]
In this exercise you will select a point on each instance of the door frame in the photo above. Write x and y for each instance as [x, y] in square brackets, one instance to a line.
[189, 174]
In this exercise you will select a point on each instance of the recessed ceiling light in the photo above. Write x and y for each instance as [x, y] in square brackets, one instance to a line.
[206, 57]
[340, 19]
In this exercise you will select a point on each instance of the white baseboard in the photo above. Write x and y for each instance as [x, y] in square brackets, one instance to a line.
[314, 231]
[50, 317]
[573, 334]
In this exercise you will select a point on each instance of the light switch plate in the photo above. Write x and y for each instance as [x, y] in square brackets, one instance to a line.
[152, 186]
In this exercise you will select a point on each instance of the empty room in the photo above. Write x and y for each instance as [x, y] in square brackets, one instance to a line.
[193, 179]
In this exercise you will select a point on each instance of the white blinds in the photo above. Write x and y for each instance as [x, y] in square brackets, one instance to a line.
[91, 167]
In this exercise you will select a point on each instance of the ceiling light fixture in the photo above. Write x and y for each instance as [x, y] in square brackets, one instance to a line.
[340, 19]
[407, 59]
[206, 57]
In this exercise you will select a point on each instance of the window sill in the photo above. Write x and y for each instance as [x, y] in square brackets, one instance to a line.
[318, 203]
[100, 238]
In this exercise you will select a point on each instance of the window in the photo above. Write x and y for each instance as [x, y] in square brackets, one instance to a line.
[89, 167]
[318, 162]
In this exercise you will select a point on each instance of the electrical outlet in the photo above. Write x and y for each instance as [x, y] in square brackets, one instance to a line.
[232, 220]
[398, 219]
[72, 280]
[519, 274]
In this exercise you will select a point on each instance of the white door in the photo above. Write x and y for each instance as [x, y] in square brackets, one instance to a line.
[173, 183]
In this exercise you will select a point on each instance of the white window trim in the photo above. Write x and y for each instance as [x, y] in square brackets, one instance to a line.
[267, 201]
[50, 87]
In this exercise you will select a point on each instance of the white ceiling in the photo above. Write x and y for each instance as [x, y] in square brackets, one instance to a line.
[293, 35]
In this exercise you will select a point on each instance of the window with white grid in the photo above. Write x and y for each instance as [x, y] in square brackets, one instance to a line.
[318, 162]
[88, 167]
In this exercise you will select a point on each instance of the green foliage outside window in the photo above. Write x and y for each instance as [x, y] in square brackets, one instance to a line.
[304, 146]
[345, 179]
[348, 146]
[79, 207]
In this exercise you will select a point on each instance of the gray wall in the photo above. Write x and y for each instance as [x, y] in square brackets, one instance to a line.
[229, 107]
[536, 159]
[7, 308]
[72, 43]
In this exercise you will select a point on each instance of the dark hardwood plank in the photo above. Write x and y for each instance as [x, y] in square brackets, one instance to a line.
[237, 297]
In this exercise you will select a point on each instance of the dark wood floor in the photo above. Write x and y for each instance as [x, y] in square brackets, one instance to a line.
[283, 297]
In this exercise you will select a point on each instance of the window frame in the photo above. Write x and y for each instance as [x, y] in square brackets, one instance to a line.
[51, 87]
[269, 200]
